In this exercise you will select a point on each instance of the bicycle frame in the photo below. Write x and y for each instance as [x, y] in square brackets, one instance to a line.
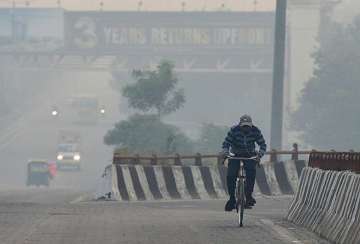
[240, 189]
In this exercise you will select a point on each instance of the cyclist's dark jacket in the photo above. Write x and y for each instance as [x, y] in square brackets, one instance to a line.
[244, 143]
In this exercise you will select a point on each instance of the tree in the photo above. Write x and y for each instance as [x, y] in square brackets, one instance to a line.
[147, 134]
[211, 138]
[155, 90]
[329, 112]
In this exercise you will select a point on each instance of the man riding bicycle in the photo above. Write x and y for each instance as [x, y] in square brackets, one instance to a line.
[241, 141]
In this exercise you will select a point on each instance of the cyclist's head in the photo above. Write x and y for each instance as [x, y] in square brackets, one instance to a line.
[245, 121]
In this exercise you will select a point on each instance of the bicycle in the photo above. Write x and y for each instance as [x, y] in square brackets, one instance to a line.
[240, 188]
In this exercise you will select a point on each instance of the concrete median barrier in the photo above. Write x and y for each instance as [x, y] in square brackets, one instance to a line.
[155, 182]
[328, 203]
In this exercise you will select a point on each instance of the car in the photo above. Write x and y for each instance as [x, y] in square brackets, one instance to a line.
[68, 157]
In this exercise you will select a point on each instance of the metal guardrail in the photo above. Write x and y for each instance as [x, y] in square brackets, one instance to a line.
[337, 161]
[197, 158]
[326, 160]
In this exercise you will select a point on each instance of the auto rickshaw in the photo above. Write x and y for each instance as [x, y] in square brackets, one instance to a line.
[38, 173]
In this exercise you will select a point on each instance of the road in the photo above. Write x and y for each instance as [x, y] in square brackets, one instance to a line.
[65, 214]
[57, 216]
[34, 134]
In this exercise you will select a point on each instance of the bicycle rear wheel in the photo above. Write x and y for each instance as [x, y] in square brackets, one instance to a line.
[241, 201]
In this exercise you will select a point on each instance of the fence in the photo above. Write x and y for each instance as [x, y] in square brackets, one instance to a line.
[198, 158]
[327, 160]
[337, 161]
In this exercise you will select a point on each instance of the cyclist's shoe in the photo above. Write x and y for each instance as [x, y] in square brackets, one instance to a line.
[248, 205]
[252, 201]
[230, 205]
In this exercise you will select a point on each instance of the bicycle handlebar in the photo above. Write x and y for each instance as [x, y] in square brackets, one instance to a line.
[242, 158]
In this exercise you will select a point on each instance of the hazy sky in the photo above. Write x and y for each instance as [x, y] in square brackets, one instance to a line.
[149, 5]
[347, 10]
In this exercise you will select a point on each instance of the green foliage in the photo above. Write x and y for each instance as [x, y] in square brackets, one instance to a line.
[211, 138]
[155, 90]
[329, 114]
[148, 134]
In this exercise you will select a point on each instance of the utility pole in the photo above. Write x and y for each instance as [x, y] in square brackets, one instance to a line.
[183, 5]
[13, 27]
[101, 6]
[278, 76]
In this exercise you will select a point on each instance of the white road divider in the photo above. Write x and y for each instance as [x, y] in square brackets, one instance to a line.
[328, 203]
[156, 182]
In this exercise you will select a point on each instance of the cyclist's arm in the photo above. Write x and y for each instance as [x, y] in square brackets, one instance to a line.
[229, 140]
[262, 144]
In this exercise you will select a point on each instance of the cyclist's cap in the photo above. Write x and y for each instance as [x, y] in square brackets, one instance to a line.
[245, 120]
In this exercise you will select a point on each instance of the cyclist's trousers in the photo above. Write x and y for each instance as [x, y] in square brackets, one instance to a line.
[232, 172]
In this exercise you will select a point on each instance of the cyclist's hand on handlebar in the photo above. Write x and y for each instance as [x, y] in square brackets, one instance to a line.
[225, 153]
[258, 159]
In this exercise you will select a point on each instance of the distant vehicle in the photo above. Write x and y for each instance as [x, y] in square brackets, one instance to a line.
[54, 111]
[38, 173]
[52, 169]
[102, 110]
[87, 109]
[68, 151]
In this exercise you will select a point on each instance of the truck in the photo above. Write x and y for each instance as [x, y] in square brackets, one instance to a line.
[87, 109]
[68, 156]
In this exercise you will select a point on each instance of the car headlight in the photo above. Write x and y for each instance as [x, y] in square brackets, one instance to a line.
[102, 111]
[77, 157]
[60, 157]
[54, 113]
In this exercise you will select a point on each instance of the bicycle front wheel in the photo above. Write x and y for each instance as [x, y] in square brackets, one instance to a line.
[241, 202]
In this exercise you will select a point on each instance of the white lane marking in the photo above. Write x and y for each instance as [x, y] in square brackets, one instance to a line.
[7, 141]
[284, 234]
[181, 206]
[81, 198]
[76, 200]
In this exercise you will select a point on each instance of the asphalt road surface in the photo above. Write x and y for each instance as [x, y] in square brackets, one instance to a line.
[62, 215]
[65, 214]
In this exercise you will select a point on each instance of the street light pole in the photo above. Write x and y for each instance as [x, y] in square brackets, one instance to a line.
[101, 6]
[13, 30]
[278, 76]
[183, 5]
